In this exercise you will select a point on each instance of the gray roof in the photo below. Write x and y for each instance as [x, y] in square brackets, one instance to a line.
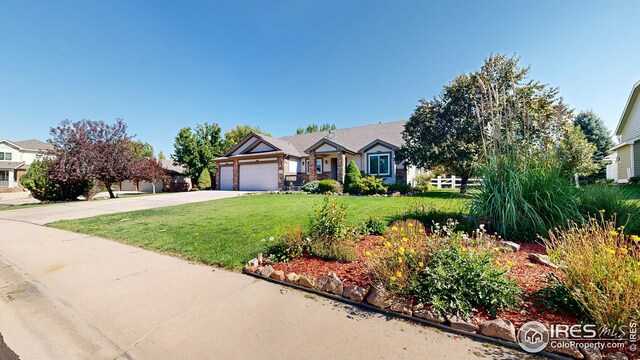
[171, 167]
[285, 146]
[33, 144]
[354, 138]
[10, 164]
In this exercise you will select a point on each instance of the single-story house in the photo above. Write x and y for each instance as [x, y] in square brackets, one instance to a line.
[176, 180]
[260, 162]
[625, 156]
[15, 158]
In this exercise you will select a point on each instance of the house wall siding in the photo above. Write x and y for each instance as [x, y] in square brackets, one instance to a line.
[631, 127]
[636, 158]
[624, 153]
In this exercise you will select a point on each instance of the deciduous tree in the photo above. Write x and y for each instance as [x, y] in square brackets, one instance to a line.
[311, 128]
[148, 169]
[237, 133]
[194, 149]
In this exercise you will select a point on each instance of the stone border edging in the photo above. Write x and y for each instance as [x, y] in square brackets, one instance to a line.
[414, 319]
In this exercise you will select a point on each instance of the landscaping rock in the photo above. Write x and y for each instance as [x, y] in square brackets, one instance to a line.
[307, 281]
[250, 269]
[379, 298]
[428, 315]
[278, 275]
[354, 292]
[260, 258]
[396, 194]
[616, 356]
[330, 283]
[253, 263]
[293, 278]
[542, 259]
[461, 324]
[591, 353]
[510, 245]
[564, 349]
[499, 328]
[403, 306]
[266, 271]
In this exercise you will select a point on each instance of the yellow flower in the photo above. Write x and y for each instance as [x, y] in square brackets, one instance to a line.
[410, 225]
[398, 274]
[601, 211]
[393, 278]
[613, 232]
[498, 263]
[387, 244]
[400, 260]
[464, 248]
[611, 251]
[404, 239]
[368, 253]
[421, 264]
[635, 238]
[395, 228]
[401, 250]
[413, 251]
[421, 231]
[624, 250]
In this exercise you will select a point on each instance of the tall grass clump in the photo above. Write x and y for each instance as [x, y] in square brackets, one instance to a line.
[522, 198]
[612, 200]
[601, 269]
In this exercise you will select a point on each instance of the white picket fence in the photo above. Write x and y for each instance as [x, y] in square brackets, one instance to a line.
[453, 182]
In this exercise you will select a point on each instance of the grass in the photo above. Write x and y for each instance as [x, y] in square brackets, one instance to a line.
[16, 207]
[229, 232]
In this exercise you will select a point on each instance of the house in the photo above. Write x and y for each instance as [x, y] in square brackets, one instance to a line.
[176, 180]
[15, 158]
[625, 157]
[260, 162]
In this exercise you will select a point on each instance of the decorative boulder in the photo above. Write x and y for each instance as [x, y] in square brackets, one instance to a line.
[293, 278]
[250, 269]
[330, 283]
[510, 245]
[266, 271]
[542, 259]
[499, 328]
[278, 275]
[429, 315]
[379, 298]
[253, 263]
[565, 349]
[403, 306]
[616, 356]
[462, 324]
[591, 353]
[307, 281]
[354, 292]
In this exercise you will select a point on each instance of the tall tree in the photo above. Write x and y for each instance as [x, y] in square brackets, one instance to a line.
[311, 128]
[194, 149]
[148, 169]
[596, 132]
[237, 133]
[142, 149]
[89, 150]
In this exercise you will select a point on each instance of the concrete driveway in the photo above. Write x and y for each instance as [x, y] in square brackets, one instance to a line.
[71, 296]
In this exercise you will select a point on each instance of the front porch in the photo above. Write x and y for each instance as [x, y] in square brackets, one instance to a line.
[8, 172]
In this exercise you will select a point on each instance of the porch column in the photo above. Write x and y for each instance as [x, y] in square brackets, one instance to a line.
[313, 175]
[342, 159]
[11, 175]
[236, 175]
[281, 171]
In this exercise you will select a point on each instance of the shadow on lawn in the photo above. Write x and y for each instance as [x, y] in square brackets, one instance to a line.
[442, 194]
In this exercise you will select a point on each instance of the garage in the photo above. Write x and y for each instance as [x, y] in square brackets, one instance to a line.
[226, 178]
[259, 176]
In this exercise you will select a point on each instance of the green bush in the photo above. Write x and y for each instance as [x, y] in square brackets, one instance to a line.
[422, 180]
[634, 180]
[375, 226]
[614, 200]
[204, 180]
[328, 185]
[429, 215]
[456, 281]
[557, 298]
[311, 187]
[370, 185]
[43, 188]
[400, 187]
[351, 177]
[523, 199]
[291, 244]
[328, 231]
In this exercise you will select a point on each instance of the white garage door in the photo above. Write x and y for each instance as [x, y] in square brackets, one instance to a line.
[259, 177]
[226, 178]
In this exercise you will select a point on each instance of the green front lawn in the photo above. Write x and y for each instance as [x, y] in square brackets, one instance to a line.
[229, 232]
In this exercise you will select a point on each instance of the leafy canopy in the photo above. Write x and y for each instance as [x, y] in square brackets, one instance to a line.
[195, 149]
[311, 128]
[237, 133]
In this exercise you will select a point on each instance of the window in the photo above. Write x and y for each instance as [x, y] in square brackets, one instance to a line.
[319, 166]
[379, 165]
[5, 156]
[4, 176]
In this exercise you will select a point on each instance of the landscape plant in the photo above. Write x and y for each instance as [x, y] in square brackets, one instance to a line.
[370, 185]
[401, 187]
[328, 186]
[329, 232]
[351, 177]
[204, 180]
[42, 187]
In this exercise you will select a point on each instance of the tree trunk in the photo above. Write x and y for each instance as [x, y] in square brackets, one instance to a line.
[463, 183]
[153, 186]
[111, 194]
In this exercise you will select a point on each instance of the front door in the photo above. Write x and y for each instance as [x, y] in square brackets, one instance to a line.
[334, 169]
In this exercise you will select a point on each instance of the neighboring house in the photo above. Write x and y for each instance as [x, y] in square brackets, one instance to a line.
[15, 158]
[176, 180]
[261, 162]
[625, 159]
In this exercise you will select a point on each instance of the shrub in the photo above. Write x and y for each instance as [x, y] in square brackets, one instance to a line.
[401, 187]
[634, 180]
[614, 200]
[328, 185]
[43, 188]
[522, 199]
[601, 269]
[328, 231]
[311, 187]
[375, 226]
[422, 180]
[429, 215]
[556, 297]
[455, 281]
[204, 180]
[351, 177]
[370, 185]
[291, 244]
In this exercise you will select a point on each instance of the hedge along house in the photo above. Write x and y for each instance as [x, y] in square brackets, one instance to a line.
[15, 158]
[260, 162]
[625, 157]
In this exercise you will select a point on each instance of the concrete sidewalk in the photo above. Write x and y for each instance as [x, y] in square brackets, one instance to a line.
[71, 296]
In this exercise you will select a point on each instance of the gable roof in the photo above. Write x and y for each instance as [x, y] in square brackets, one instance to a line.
[31, 144]
[354, 138]
[633, 97]
[172, 168]
[281, 146]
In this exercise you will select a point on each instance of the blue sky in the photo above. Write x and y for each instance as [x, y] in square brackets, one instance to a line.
[283, 64]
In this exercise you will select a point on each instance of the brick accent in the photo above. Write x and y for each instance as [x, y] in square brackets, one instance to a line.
[401, 175]
[282, 168]
[313, 175]
[217, 176]
[342, 159]
[236, 174]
